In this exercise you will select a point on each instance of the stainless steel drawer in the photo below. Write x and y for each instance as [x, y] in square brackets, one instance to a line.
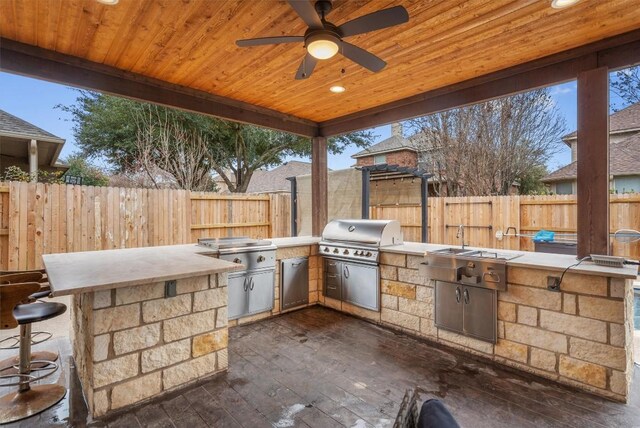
[332, 266]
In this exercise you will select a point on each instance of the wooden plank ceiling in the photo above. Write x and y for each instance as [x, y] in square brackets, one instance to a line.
[191, 43]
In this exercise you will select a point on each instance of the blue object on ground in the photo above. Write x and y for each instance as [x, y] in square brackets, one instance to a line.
[435, 415]
[544, 236]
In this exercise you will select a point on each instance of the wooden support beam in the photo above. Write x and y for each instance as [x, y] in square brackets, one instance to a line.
[48, 65]
[319, 178]
[615, 52]
[593, 162]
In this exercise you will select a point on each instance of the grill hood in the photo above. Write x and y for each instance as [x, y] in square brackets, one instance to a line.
[365, 232]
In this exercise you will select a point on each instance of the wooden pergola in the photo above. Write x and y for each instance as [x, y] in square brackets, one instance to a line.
[449, 54]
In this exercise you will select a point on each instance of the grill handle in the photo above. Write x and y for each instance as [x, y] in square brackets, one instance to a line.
[346, 271]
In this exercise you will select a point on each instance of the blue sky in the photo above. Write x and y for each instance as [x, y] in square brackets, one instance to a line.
[35, 100]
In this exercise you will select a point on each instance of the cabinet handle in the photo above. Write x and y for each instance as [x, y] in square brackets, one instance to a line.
[251, 284]
[332, 276]
[458, 294]
[331, 288]
[244, 284]
[296, 264]
[346, 271]
[466, 296]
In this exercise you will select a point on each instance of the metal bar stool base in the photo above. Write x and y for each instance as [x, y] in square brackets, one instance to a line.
[20, 405]
[43, 356]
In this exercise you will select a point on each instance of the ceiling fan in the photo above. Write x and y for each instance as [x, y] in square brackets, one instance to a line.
[323, 39]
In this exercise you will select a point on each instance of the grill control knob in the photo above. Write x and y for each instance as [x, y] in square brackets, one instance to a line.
[261, 259]
[357, 253]
[237, 260]
[335, 251]
[326, 249]
[345, 252]
[368, 254]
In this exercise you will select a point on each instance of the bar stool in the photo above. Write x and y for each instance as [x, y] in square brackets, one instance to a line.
[13, 342]
[27, 400]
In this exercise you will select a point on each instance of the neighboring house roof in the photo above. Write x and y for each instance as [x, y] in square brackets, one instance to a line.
[625, 120]
[624, 159]
[15, 135]
[392, 144]
[12, 126]
[275, 180]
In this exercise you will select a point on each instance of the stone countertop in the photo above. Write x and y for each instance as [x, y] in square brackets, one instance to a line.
[527, 259]
[74, 273]
[295, 241]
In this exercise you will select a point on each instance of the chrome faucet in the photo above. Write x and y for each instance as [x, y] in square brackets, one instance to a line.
[460, 235]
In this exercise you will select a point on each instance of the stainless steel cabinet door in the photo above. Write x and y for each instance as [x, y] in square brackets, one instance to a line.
[238, 303]
[360, 285]
[261, 291]
[449, 306]
[480, 313]
[294, 275]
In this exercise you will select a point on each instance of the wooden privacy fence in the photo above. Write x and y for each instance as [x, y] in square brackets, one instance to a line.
[484, 216]
[37, 219]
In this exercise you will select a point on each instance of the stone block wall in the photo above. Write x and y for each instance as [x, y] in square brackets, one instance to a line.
[132, 343]
[581, 336]
[310, 251]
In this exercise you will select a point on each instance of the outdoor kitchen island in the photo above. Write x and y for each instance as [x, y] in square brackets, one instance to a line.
[579, 336]
[144, 320]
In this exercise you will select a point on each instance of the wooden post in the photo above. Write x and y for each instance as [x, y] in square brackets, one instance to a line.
[33, 160]
[319, 206]
[424, 208]
[593, 162]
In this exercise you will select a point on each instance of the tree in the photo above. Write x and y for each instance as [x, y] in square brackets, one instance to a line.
[91, 175]
[626, 84]
[134, 136]
[486, 148]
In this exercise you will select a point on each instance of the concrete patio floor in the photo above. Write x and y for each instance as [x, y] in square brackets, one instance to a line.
[320, 368]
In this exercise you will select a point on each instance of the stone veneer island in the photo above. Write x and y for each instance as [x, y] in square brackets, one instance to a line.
[131, 341]
[581, 336]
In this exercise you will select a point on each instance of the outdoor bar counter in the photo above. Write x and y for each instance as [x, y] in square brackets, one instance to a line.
[131, 343]
[133, 336]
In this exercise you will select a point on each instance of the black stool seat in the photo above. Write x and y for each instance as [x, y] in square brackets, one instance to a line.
[40, 294]
[34, 312]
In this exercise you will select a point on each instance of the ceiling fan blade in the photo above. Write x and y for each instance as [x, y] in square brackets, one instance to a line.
[375, 21]
[306, 67]
[362, 57]
[307, 12]
[269, 41]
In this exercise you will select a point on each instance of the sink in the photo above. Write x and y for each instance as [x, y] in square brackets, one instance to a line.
[453, 251]
[491, 255]
[480, 254]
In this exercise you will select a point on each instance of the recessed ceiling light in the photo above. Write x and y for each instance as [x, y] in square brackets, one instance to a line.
[561, 4]
[337, 89]
[108, 2]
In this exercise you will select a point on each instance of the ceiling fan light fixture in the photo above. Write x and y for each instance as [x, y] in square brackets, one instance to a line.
[337, 89]
[322, 46]
[561, 4]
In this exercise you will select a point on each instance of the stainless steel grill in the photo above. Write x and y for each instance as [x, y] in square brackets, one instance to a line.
[351, 250]
[359, 239]
[250, 291]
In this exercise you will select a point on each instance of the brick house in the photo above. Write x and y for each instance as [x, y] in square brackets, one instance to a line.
[624, 156]
[395, 150]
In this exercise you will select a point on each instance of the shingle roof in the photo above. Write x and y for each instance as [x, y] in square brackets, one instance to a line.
[263, 181]
[625, 119]
[391, 144]
[624, 159]
[14, 126]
